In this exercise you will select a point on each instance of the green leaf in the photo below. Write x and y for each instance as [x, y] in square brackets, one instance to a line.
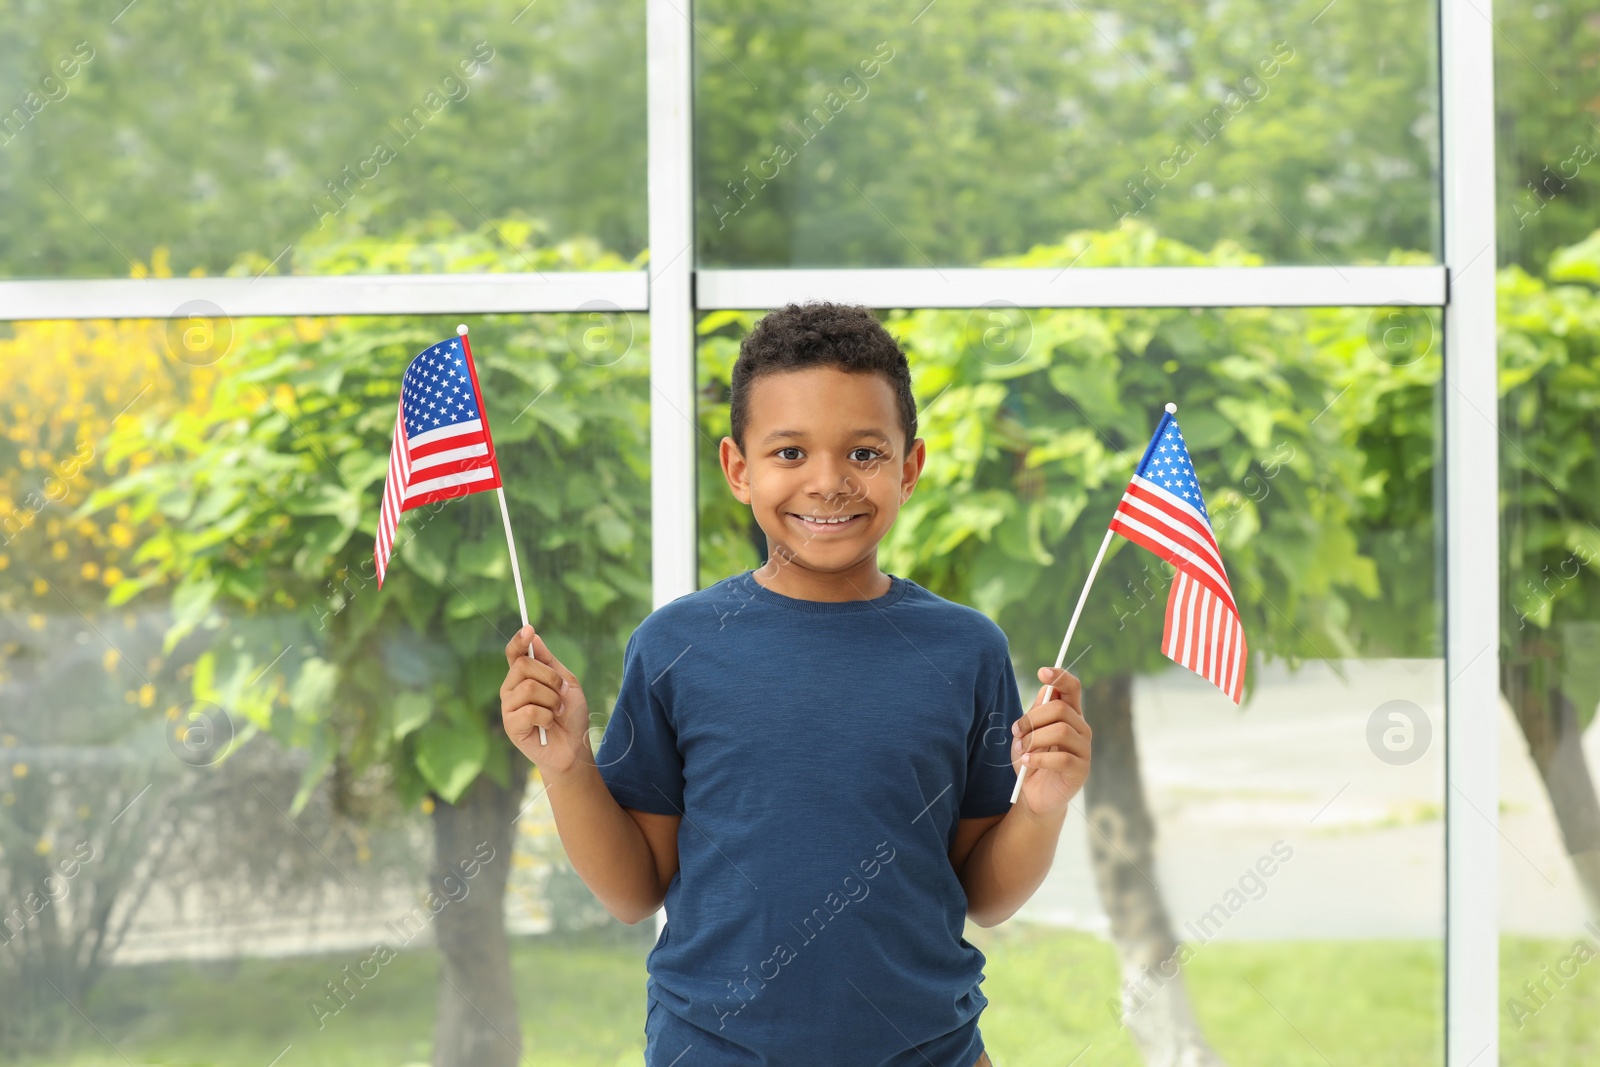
[246, 586]
[411, 710]
[323, 538]
[1579, 262]
[322, 754]
[421, 557]
[450, 757]
[484, 675]
[1204, 429]
[486, 557]
[615, 535]
[591, 591]
[191, 602]
[1092, 386]
[362, 469]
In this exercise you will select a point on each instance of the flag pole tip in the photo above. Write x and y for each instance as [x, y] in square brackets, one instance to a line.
[461, 331]
[1172, 409]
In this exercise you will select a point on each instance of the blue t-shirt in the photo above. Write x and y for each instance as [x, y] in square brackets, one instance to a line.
[820, 755]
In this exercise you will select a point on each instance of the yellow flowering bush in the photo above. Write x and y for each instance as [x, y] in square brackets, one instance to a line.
[67, 382]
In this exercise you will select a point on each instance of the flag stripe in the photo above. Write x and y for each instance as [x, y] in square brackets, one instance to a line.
[1213, 608]
[434, 485]
[1224, 639]
[450, 455]
[420, 442]
[1236, 674]
[1188, 625]
[1170, 632]
[447, 444]
[454, 466]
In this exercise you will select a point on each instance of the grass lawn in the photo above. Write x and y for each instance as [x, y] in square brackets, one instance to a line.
[1313, 1003]
[1287, 1004]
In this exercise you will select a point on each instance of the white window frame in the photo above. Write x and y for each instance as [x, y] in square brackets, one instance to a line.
[342, 294]
[673, 293]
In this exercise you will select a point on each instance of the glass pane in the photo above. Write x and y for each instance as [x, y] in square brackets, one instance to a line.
[280, 135]
[1278, 865]
[873, 134]
[237, 809]
[1549, 327]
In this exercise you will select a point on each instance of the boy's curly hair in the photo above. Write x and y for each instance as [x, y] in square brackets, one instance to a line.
[815, 334]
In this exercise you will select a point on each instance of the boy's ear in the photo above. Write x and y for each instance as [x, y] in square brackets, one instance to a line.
[911, 470]
[735, 469]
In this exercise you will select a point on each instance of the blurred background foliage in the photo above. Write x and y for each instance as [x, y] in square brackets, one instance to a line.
[221, 130]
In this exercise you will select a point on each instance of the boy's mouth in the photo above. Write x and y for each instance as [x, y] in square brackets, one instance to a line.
[832, 524]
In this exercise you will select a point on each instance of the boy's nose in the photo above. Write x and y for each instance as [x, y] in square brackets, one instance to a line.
[835, 480]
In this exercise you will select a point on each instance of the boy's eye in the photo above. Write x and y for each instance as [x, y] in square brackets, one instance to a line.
[872, 453]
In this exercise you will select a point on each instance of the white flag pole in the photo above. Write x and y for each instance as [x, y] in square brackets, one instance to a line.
[516, 576]
[511, 545]
[1061, 656]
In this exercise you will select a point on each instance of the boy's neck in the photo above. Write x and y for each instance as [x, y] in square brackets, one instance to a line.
[791, 578]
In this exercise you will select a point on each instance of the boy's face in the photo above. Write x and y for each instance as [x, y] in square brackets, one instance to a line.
[822, 443]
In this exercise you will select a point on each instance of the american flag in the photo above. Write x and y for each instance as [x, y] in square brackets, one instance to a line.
[442, 448]
[1163, 510]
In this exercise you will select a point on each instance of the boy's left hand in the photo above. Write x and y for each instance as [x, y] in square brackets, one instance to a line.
[1055, 736]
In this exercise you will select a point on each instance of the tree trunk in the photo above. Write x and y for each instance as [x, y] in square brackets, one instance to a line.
[1155, 1002]
[1549, 722]
[477, 1024]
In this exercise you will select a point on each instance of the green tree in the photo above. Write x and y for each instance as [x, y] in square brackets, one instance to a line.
[1305, 131]
[269, 499]
[221, 129]
[1549, 345]
[1547, 146]
[1550, 532]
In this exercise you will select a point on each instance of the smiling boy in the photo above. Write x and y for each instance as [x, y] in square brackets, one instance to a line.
[810, 763]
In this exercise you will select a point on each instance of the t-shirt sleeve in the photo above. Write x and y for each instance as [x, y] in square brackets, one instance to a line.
[990, 777]
[638, 757]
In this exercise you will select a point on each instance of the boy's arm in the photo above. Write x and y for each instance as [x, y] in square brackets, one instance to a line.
[626, 857]
[1002, 859]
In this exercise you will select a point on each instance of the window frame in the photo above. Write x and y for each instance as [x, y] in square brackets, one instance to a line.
[672, 292]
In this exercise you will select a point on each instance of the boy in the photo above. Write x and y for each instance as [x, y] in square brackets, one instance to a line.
[810, 763]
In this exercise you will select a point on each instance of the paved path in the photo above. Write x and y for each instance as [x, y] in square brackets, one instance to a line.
[1294, 766]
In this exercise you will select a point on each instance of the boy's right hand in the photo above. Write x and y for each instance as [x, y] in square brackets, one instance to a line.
[539, 691]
